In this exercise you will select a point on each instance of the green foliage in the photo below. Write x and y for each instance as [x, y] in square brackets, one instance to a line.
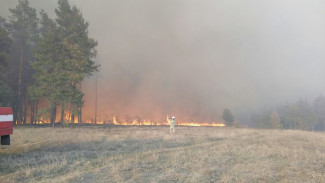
[228, 117]
[262, 119]
[275, 120]
[48, 76]
[23, 28]
[300, 115]
[6, 95]
[24, 23]
[268, 119]
[5, 43]
[319, 107]
[64, 58]
[77, 50]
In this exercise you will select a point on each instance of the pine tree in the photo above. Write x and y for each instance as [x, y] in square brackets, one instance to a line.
[300, 115]
[228, 117]
[63, 60]
[78, 51]
[5, 43]
[24, 31]
[275, 120]
[307, 117]
[49, 75]
[319, 107]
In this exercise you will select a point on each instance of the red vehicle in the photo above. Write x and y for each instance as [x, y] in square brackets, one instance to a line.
[6, 125]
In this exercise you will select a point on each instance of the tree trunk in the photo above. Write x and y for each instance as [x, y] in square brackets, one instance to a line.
[14, 115]
[79, 114]
[62, 114]
[36, 111]
[32, 112]
[25, 108]
[72, 119]
[96, 100]
[53, 114]
[69, 116]
[19, 111]
[72, 105]
[80, 108]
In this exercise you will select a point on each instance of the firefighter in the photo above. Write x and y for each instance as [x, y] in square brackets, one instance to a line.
[171, 122]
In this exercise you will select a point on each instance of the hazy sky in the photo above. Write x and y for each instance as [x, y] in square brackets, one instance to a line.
[192, 58]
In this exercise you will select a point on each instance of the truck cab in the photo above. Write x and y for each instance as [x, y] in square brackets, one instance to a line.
[6, 124]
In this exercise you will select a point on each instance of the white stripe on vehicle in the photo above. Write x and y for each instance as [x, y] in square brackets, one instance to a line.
[6, 118]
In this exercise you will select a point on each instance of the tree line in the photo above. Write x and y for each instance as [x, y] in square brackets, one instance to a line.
[43, 62]
[298, 115]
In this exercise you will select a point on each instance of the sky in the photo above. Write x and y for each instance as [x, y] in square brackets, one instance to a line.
[192, 58]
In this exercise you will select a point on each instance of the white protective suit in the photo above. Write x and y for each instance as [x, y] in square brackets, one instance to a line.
[171, 122]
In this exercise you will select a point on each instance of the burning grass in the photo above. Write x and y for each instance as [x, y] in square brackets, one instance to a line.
[150, 154]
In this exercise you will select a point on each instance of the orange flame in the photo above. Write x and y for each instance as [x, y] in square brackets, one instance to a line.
[135, 122]
[68, 117]
[42, 121]
[151, 123]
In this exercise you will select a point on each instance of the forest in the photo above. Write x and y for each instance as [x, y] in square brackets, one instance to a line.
[43, 62]
[300, 115]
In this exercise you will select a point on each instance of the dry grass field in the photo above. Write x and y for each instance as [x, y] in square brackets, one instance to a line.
[150, 154]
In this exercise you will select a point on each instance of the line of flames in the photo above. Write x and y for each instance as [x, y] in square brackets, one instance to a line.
[136, 122]
[67, 118]
[152, 123]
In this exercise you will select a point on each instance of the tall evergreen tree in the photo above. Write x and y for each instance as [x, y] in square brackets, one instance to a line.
[307, 118]
[288, 114]
[78, 51]
[49, 75]
[275, 120]
[299, 115]
[5, 43]
[64, 58]
[228, 117]
[24, 31]
[319, 107]
[262, 119]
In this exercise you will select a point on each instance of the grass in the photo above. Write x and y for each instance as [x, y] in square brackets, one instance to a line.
[151, 154]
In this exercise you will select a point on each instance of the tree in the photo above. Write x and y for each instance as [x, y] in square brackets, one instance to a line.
[78, 51]
[50, 80]
[275, 120]
[24, 31]
[228, 117]
[288, 114]
[262, 119]
[63, 60]
[319, 108]
[307, 117]
[299, 115]
[5, 43]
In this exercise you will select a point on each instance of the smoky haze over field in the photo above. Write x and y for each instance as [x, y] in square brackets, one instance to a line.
[193, 58]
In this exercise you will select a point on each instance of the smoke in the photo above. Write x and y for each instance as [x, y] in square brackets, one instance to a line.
[193, 58]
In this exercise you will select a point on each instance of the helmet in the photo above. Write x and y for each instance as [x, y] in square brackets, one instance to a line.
[173, 117]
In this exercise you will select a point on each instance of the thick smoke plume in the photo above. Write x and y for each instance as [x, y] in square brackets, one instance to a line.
[193, 58]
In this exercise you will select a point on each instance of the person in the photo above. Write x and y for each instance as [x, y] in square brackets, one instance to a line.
[171, 122]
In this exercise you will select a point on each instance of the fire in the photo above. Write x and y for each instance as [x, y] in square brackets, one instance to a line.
[115, 121]
[68, 118]
[136, 122]
[42, 121]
